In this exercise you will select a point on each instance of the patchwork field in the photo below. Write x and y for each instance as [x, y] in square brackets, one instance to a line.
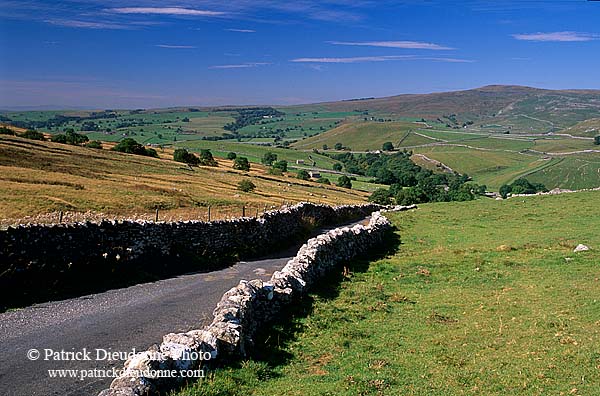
[451, 310]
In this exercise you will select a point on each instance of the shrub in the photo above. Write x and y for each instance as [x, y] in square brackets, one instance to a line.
[60, 138]
[323, 180]
[231, 155]
[597, 140]
[206, 158]
[182, 155]
[130, 146]
[31, 134]
[381, 196]
[275, 172]
[344, 181]
[6, 131]
[95, 144]
[246, 186]
[387, 146]
[268, 158]
[282, 165]
[303, 175]
[338, 146]
[337, 167]
[241, 163]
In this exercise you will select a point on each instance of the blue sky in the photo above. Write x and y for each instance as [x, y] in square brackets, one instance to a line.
[149, 53]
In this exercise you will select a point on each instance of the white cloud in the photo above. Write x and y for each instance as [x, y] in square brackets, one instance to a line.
[175, 46]
[241, 30]
[557, 36]
[240, 65]
[394, 44]
[385, 58]
[165, 11]
[86, 24]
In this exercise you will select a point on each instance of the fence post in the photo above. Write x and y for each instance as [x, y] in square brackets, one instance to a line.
[156, 217]
[208, 212]
[60, 216]
[243, 210]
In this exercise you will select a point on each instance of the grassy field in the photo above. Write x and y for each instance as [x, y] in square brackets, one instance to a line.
[359, 135]
[42, 177]
[480, 298]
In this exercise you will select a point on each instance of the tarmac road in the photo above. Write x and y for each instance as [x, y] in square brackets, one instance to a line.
[114, 321]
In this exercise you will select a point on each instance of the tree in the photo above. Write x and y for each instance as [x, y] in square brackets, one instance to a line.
[246, 186]
[325, 147]
[381, 196]
[182, 155]
[231, 155]
[338, 146]
[6, 131]
[344, 181]
[31, 134]
[597, 140]
[95, 144]
[410, 196]
[323, 180]
[387, 146]
[268, 158]
[337, 167]
[282, 165]
[206, 158]
[303, 175]
[241, 163]
[130, 146]
[505, 189]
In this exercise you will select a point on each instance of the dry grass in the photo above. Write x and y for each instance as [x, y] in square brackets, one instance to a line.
[39, 178]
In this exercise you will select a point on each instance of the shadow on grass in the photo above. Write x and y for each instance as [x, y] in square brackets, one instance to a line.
[271, 344]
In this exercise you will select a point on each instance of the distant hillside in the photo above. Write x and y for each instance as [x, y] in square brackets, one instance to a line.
[363, 136]
[520, 109]
[40, 177]
[590, 128]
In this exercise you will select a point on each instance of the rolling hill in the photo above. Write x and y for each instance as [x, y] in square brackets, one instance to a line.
[37, 178]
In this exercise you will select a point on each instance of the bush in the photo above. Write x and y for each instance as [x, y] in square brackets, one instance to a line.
[303, 175]
[323, 180]
[33, 135]
[70, 137]
[275, 172]
[337, 167]
[410, 196]
[182, 155]
[207, 159]
[241, 163]
[231, 155]
[268, 158]
[338, 146]
[95, 144]
[6, 131]
[381, 196]
[246, 186]
[282, 165]
[597, 140]
[387, 146]
[130, 146]
[344, 181]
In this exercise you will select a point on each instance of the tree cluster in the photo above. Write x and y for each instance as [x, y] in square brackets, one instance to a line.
[130, 146]
[521, 186]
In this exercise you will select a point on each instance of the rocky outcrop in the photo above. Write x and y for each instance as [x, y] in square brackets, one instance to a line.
[246, 308]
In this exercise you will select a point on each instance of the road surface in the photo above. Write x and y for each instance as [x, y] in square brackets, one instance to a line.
[115, 321]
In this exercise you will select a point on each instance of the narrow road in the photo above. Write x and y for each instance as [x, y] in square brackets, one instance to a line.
[117, 321]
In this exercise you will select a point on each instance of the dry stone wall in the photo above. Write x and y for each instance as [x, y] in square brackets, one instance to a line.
[244, 309]
[60, 256]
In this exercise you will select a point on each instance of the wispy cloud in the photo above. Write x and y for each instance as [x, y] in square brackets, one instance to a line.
[557, 36]
[384, 58]
[86, 24]
[241, 30]
[175, 46]
[395, 44]
[165, 11]
[240, 65]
